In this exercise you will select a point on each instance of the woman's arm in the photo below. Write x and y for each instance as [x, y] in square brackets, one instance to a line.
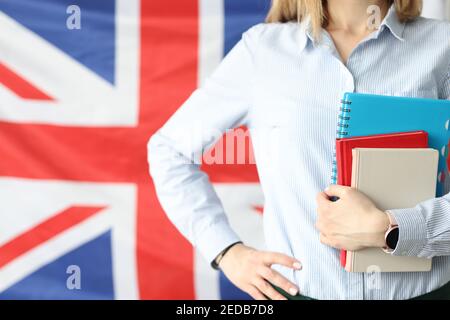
[354, 222]
[174, 152]
[184, 190]
[424, 230]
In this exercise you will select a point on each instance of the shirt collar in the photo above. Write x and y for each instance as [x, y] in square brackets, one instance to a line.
[306, 29]
[391, 22]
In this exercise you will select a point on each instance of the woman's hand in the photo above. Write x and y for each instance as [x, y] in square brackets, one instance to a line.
[353, 222]
[250, 270]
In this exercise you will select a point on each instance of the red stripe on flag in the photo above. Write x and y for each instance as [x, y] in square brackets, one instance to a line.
[169, 53]
[44, 232]
[20, 86]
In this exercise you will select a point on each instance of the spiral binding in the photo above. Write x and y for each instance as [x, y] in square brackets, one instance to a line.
[341, 132]
[344, 117]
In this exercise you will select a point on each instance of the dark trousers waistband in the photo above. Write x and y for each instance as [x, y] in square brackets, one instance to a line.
[443, 293]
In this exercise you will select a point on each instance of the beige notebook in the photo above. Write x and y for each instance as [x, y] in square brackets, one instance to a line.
[392, 178]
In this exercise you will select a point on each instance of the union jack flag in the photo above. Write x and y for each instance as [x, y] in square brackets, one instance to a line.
[77, 106]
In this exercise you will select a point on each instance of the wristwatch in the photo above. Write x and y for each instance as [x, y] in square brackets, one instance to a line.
[216, 261]
[391, 235]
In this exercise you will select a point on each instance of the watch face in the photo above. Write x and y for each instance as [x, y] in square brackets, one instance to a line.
[392, 238]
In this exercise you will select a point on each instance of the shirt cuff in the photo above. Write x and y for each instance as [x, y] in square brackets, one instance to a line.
[412, 228]
[215, 239]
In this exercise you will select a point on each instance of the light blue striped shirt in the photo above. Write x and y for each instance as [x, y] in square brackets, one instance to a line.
[287, 88]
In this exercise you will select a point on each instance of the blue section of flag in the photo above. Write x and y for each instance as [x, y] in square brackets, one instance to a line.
[240, 15]
[50, 282]
[93, 45]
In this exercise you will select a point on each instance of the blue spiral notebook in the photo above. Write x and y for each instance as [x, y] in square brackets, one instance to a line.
[366, 114]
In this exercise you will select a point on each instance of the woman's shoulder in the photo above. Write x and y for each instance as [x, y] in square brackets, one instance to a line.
[428, 29]
[275, 34]
[272, 27]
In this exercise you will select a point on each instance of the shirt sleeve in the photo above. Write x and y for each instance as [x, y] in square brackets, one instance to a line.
[174, 151]
[424, 230]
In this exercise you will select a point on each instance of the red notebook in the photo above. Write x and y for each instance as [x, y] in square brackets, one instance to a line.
[415, 139]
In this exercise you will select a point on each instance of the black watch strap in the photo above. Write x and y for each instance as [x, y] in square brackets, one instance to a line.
[216, 261]
[392, 238]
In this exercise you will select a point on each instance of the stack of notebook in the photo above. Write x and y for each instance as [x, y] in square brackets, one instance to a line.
[387, 148]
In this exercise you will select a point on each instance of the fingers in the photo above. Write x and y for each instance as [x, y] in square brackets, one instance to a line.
[255, 293]
[323, 239]
[267, 289]
[323, 200]
[335, 190]
[323, 208]
[322, 196]
[278, 280]
[250, 271]
[328, 242]
[270, 258]
[267, 276]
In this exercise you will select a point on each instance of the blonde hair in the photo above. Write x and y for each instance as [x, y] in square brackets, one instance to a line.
[297, 10]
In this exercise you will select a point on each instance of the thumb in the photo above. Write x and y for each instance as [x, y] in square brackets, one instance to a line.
[335, 190]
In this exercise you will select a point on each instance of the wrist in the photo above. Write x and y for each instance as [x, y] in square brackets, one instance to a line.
[232, 251]
[217, 261]
[380, 225]
[391, 235]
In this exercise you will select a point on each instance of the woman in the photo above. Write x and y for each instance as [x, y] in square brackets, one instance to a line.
[284, 80]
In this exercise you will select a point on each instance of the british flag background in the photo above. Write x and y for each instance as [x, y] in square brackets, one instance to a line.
[77, 106]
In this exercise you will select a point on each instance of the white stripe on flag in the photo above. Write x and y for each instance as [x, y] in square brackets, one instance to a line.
[210, 53]
[211, 37]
